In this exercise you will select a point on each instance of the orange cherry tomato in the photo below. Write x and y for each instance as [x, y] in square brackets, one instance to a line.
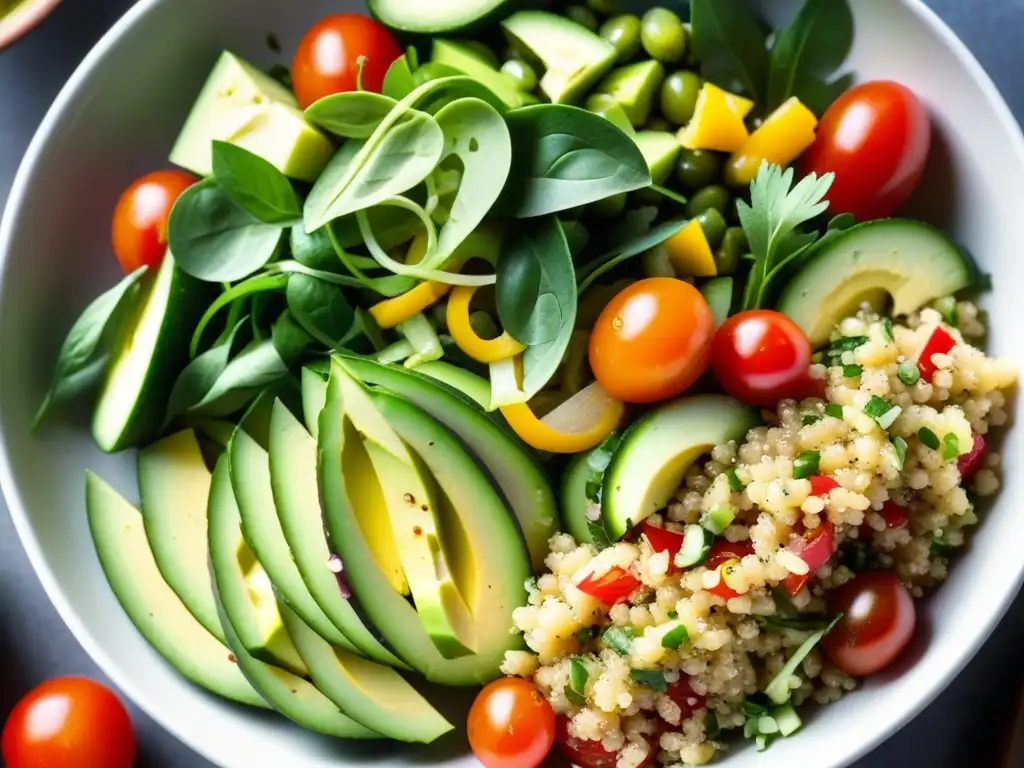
[652, 341]
[511, 725]
[328, 56]
[69, 722]
[139, 227]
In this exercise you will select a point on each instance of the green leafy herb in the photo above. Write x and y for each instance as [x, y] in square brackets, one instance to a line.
[753, 709]
[254, 369]
[806, 464]
[711, 727]
[398, 82]
[808, 52]
[353, 114]
[887, 330]
[199, 376]
[252, 286]
[564, 157]
[320, 308]
[675, 637]
[852, 371]
[314, 249]
[876, 407]
[619, 639]
[846, 344]
[575, 689]
[771, 223]
[841, 222]
[83, 355]
[735, 484]
[651, 678]
[950, 446]
[899, 447]
[908, 373]
[290, 339]
[585, 634]
[214, 240]
[803, 623]
[672, 195]
[639, 238]
[835, 410]
[778, 690]
[255, 185]
[809, 418]
[731, 46]
[939, 548]
[928, 438]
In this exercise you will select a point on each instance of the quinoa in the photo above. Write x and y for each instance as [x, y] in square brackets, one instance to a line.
[637, 685]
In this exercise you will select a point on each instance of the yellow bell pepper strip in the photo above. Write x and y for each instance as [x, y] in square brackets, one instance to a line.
[690, 252]
[717, 121]
[780, 140]
[577, 425]
[391, 312]
[465, 338]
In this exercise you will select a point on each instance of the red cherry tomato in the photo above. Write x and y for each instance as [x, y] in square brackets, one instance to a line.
[327, 59]
[821, 485]
[875, 138]
[511, 725]
[652, 340]
[970, 462]
[69, 722]
[589, 754]
[662, 540]
[894, 515]
[683, 694]
[723, 550]
[941, 342]
[761, 357]
[610, 588]
[139, 226]
[878, 622]
[815, 550]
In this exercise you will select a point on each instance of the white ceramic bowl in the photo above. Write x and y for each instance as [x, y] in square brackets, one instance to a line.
[117, 117]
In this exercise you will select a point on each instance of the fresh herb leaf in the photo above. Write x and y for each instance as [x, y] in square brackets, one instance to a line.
[928, 438]
[675, 637]
[887, 329]
[585, 634]
[214, 240]
[771, 222]
[564, 157]
[290, 339]
[803, 623]
[254, 285]
[852, 371]
[314, 249]
[672, 195]
[806, 464]
[598, 533]
[846, 344]
[950, 446]
[353, 114]
[254, 369]
[639, 241]
[876, 407]
[731, 46]
[939, 548]
[735, 484]
[255, 185]
[83, 355]
[908, 373]
[398, 82]
[711, 727]
[753, 709]
[619, 639]
[651, 678]
[841, 222]
[320, 308]
[809, 418]
[834, 410]
[778, 690]
[199, 376]
[576, 688]
[899, 446]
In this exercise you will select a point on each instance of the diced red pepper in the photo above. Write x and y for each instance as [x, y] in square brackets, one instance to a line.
[723, 589]
[589, 754]
[941, 342]
[970, 462]
[662, 540]
[682, 693]
[723, 550]
[822, 484]
[894, 515]
[610, 588]
[815, 550]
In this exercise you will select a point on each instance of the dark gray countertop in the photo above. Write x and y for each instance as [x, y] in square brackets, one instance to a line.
[964, 727]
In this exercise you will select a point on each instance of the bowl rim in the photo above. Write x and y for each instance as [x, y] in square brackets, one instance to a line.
[916, 701]
[23, 19]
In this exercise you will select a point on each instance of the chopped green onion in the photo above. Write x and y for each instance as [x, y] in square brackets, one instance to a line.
[908, 373]
[846, 344]
[718, 519]
[619, 639]
[899, 447]
[938, 547]
[928, 438]
[876, 407]
[886, 419]
[712, 730]
[753, 709]
[950, 446]
[787, 718]
[804, 623]
[585, 634]
[767, 725]
[651, 678]
[778, 689]
[675, 637]
[763, 742]
[887, 329]
[575, 690]
[852, 371]
[806, 464]
[810, 418]
[673, 614]
[834, 410]
[734, 480]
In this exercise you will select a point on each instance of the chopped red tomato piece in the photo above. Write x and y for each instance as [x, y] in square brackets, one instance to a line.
[940, 342]
[683, 694]
[894, 515]
[723, 550]
[610, 588]
[663, 540]
[585, 753]
[970, 462]
[822, 484]
[815, 549]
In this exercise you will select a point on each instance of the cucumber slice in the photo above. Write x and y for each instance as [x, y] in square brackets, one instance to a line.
[695, 547]
[718, 519]
[778, 690]
[788, 720]
[437, 16]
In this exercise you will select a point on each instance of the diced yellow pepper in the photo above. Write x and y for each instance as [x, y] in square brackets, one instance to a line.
[690, 252]
[717, 121]
[780, 140]
[466, 339]
[606, 414]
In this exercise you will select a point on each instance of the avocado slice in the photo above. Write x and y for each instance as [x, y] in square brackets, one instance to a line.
[293, 481]
[604, 105]
[499, 563]
[514, 469]
[375, 695]
[573, 57]
[655, 452]
[464, 59]
[314, 395]
[909, 262]
[154, 609]
[244, 588]
[244, 106]
[148, 355]
[174, 485]
[660, 149]
[633, 88]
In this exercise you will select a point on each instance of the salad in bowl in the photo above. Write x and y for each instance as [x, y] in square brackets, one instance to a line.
[585, 356]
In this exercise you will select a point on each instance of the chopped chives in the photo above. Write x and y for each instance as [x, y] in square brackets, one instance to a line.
[834, 410]
[908, 373]
[650, 678]
[887, 329]
[928, 438]
[578, 675]
[806, 464]
[583, 635]
[899, 446]
[675, 637]
[876, 407]
[810, 418]
[734, 480]
[619, 639]
[852, 371]
[886, 419]
[950, 446]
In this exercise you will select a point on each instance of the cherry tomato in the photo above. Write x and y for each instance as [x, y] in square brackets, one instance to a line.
[585, 753]
[761, 357]
[816, 549]
[327, 59]
[69, 722]
[941, 342]
[511, 725]
[139, 227]
[875, 138]
[663, 540]
[723, 550]
[970, 462]
[894, 515]
[878, 622]
[652, 340]
[683, 694]
[822, 485]
[610, 588]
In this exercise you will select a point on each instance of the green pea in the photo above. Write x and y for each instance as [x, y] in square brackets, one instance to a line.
[658, 123]
[730, 251]
[582, 16]
[624, 33]
[483, 51]
[713, 224]
[522, 73]
[696, 168]
[662, 35]
[607, 7]
[679, 94]
[714, 196]
[610, 207]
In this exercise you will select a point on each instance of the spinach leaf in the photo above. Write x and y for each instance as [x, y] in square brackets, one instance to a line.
[214, 240]
[536, 288]
[83, 355]
[320, 308]
[252, 286]
[392, 225]
[290, 339]
[353, 114]
[731, 45]
[314, 249]
[254, 185]
[389, 285]
[255, 368]
[635, 244]
[564, 157]
[475, 133]
[808, 52]
[363, 173]
[398, 82]
[199, 376]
